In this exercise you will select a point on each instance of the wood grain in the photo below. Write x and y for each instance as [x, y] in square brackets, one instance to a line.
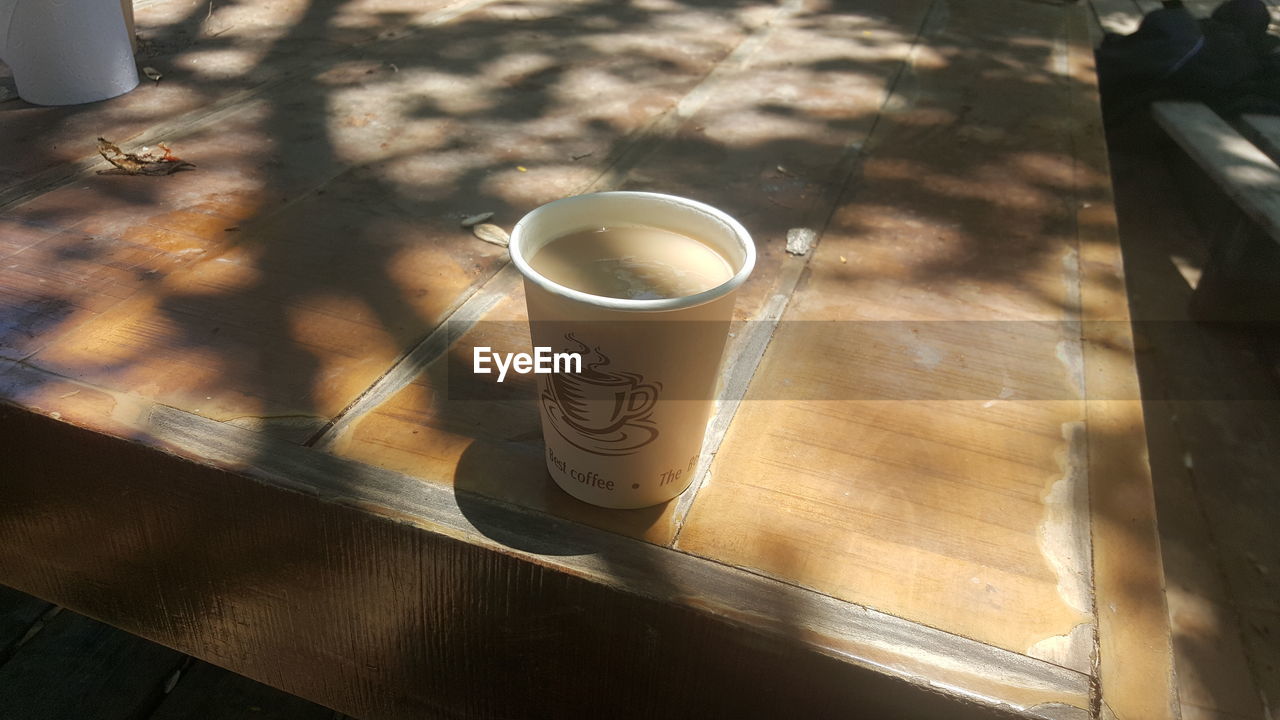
[44, 154]
[1135, 659]
[402, 597]
[778, 180]
[898, 520]
[914, 440]
[317, 242]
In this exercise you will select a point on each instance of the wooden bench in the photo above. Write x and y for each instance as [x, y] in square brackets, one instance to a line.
[1239, 280]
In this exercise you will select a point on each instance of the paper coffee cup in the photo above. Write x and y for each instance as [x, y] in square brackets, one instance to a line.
[626, 432]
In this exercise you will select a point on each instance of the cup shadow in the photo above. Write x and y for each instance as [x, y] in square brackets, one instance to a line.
[529, 529]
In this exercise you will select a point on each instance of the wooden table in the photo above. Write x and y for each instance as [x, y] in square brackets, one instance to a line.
[229, 425]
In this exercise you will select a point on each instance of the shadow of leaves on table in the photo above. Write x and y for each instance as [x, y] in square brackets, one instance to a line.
[338, 144]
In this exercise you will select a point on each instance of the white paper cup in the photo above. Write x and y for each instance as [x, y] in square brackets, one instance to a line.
[67, 52]
[627, 431]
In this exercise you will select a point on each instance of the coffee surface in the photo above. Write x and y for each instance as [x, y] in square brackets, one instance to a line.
[632, 263]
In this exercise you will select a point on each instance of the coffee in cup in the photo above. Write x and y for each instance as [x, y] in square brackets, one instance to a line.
[640, 286]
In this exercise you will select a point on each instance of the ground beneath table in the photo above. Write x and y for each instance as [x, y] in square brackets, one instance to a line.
[55, 663]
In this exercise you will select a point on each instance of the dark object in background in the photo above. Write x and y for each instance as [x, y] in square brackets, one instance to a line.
[1227, 61]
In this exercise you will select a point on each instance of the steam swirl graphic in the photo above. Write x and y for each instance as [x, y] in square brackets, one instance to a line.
[599, 410]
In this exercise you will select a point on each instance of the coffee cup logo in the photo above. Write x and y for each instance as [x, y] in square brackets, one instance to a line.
[600, 410]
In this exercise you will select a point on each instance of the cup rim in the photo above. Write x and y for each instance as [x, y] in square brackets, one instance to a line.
[516, 250]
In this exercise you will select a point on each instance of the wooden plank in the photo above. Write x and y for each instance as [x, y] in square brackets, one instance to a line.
[502, 285]
[68, 278]
[913, 441]
[20, 616]
[1243, 171]
[772, 146]
[1135, 659]
[211, 693]
[1211, 664]
[44, 149]
[283, 287]
[77, 667]
[1227, 422]
[397, 619]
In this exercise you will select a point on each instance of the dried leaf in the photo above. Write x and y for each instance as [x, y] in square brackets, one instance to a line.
[146, 162]
[491, 233]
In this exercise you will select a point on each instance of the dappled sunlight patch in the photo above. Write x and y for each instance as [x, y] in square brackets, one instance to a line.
[992, 183]
[159, 14]
[200, 204]
[232, 272]
[518, 68]
[886, 262]
[221, 64]
[427, 174]
[1252, 168]
[1189, 270]
[349, 354]
[579, 83]
[182, 246]
[538, 185]
[326, 220]
[425, 276]
[450, 93]
[1048, 169]
[848, 40]
[354, 17]
[225, 155]
[533, 10]
[667, 36]
[752, 125]
[104, 353]
[264, 22]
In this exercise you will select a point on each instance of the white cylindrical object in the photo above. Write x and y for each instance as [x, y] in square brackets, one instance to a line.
[67, 52]
[627, 431]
